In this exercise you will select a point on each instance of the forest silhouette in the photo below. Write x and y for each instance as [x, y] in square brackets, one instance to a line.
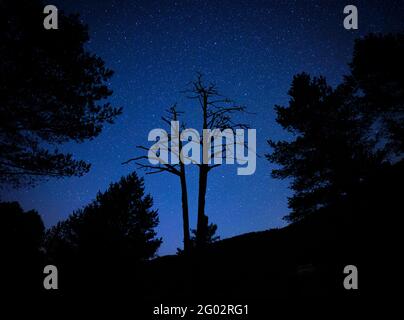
[345, 164]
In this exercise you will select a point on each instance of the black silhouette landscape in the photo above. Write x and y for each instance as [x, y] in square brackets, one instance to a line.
[343, 157]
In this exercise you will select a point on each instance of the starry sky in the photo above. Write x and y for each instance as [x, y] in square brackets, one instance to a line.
[250, 49]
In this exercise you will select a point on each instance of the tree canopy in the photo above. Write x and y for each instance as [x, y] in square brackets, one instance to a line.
[52, 91]
[118, 224]
[21, 232]
[341, 135]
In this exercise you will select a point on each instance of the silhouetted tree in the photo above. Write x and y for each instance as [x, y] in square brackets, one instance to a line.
[210, 234]
[51, 92]
[216, 113]
[176, 169]
[377, 72]
[118, 225]
[21, 237]
[341, 135]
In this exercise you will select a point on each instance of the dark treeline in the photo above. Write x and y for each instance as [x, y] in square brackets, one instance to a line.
[90, 248]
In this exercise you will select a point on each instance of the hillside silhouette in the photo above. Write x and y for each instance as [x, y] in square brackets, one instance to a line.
[303, 259]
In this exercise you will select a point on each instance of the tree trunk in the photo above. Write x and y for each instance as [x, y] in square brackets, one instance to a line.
[185, 214]
[203, 182]
[201, 225]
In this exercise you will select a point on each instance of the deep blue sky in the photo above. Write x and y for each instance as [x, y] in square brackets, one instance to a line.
[250, 49]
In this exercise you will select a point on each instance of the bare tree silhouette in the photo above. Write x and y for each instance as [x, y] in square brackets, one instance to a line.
[177, 169]
[216, 112]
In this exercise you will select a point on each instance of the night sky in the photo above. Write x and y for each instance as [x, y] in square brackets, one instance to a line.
[250, 49]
